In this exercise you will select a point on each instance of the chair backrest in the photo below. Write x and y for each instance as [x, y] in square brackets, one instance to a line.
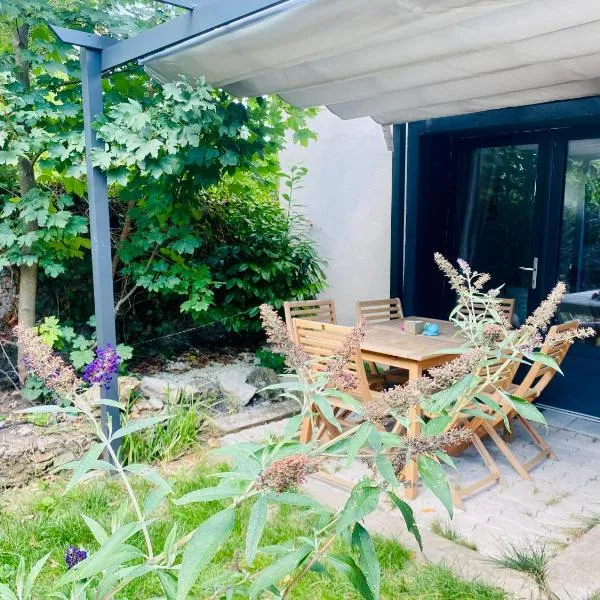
[506, 307]
[315, 310]
[379, 310]
[322, 341]
[540, 375]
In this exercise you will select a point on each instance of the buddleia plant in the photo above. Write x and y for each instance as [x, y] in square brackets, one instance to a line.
[271, 474]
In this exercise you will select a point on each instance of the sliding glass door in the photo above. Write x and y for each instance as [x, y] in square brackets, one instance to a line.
[528, 212]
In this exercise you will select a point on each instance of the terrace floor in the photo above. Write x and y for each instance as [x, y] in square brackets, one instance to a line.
[558, 506]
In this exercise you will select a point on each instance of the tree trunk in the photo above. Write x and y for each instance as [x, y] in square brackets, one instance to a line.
[27, 273]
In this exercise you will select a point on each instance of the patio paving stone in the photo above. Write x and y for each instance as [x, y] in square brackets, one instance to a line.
[540, 511]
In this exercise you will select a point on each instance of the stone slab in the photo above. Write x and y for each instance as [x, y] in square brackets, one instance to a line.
[575, 572]
[253, 417]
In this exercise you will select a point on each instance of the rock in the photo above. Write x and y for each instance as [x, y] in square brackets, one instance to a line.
[232, 382]
[157, 387]
[165, 387]
[261, 377]
[127, 386]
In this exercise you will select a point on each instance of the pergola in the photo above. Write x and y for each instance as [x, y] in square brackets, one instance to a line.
[394, 60]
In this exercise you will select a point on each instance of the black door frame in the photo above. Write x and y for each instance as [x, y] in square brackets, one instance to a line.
[411, 251]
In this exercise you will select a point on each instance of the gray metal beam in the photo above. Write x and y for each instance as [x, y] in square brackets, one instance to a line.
[104, 303]
[208, 15]
[189, 4]
[82, 38]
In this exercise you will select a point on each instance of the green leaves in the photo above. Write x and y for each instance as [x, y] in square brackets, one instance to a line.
[256, 526]
[367, 557]
[204, 544]
[277, 570]
[527, 410]
[434, 477]
[363, 500]
[138, 425]
[409, 517]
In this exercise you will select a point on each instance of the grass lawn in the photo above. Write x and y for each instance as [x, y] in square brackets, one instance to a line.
[46, 521]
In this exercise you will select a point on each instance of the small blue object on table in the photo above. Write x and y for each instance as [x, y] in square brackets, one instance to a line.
[431, 329]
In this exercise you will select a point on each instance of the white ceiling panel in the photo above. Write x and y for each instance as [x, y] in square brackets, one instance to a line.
[402, 60]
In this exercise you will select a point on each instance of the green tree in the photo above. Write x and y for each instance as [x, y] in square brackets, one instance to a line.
[169, 151]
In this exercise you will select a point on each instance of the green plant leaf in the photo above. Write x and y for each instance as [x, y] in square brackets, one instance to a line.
[138, 425]
[434, 477]
[168, 584]
[546, 360]
[85, 463]
[358, 440]
[326, 410]
[220, 492]
[528, 410]
[385, 467]
[363, 500]
[33, 575]
[150, 475]
[277, 570]
[97, 530]
[409, 517]
[440, 401]
[208, 537]
[256, 526]
[367, 558]
[347, 567]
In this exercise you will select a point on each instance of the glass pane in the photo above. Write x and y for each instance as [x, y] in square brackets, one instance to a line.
[499, 216]
[579, 265]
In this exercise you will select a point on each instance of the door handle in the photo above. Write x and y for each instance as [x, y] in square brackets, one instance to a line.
[534, 272]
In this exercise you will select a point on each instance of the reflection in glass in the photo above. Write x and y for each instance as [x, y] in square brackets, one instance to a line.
[498, 217]
[579, 265]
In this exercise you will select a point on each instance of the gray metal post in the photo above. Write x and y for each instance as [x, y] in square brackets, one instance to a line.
[91, 80]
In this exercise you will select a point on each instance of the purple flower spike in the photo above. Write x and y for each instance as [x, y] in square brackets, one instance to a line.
[103, 367]
[74, 555]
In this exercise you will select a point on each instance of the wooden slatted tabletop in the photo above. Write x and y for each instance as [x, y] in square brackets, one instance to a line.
[389, 338]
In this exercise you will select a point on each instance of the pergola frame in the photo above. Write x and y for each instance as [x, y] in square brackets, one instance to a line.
[100, 54]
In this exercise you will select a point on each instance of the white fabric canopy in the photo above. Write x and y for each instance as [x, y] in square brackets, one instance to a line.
[402, 60]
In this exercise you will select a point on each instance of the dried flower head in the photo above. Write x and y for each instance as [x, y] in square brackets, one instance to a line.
[74, 555]
[376, 410]
[45, 364]
[457, 281]
[286, 474]
[417, 446]
[492, 333]
[102, 369]
[337, 368]
[278, 336]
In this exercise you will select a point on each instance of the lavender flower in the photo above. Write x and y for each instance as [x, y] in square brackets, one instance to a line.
[103, 367]
[74, 555]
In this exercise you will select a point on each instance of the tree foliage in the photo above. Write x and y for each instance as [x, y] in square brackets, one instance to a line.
[179, 159]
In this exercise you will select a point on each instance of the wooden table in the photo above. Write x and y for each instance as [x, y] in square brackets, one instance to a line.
[388, 344]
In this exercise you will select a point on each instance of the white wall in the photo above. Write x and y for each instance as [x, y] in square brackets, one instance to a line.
[347, 198]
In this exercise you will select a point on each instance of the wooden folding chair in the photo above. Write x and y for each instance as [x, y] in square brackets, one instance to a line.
[536, 380]
[506, 307]
[314, 310]
[377, 311]
[322, 341]
[481, 427]
[380, 311]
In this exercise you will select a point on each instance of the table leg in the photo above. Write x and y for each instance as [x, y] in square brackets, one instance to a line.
[411, 472]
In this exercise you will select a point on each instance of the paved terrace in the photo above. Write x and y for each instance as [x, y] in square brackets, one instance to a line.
[555, 509]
